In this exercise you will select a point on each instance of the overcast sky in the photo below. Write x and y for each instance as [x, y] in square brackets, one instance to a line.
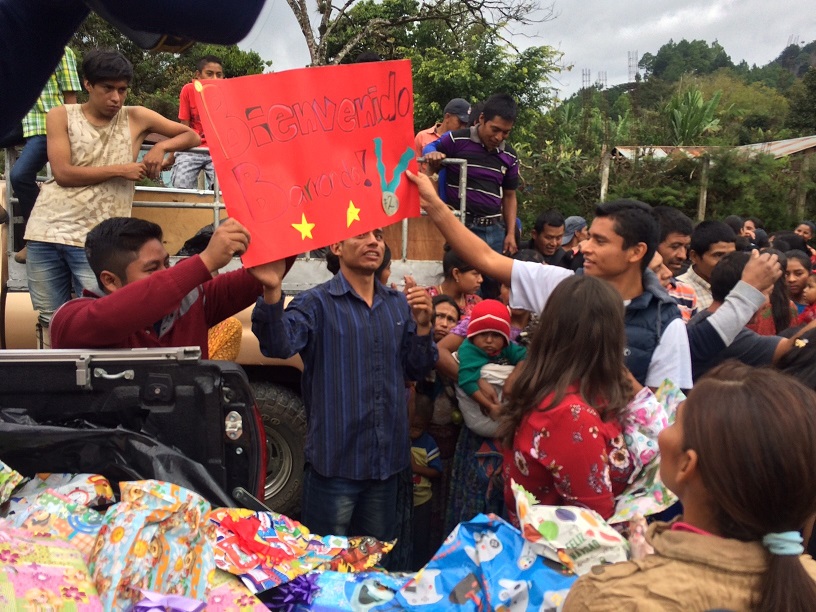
[598, 34]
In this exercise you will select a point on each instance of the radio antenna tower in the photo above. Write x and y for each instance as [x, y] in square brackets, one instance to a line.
[633, 65]
[793, 39]
[586, 77]
[601, 82]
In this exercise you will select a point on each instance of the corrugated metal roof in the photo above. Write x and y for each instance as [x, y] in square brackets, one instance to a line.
[782, 148]
[777, 148]
[659, 152]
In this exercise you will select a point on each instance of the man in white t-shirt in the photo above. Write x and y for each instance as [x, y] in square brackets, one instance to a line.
[622, 240]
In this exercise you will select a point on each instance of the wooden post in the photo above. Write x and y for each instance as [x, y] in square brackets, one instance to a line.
[701, 202]
[605, 162]
[801, 188]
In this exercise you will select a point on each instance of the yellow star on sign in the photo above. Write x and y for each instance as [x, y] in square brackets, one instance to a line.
[352, 214]
[304, 227]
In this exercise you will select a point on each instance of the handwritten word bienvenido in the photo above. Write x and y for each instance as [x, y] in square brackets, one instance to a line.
[284, 122]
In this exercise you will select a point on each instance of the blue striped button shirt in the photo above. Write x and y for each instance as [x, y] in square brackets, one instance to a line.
[356, 360]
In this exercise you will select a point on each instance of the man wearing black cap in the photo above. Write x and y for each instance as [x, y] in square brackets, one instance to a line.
[457, 114]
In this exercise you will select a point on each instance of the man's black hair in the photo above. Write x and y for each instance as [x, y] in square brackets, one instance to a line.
[633, 221]
[114, 244]
[672, 221]
[501, 105]
[758, 223]
[106, 65]
[792, 240]
[735, 222]
[476, 112]
[801, 257]
[208, 59]
[710, 232]
[386, 260]
[529, 255]
[727, 273]
[443, 298]
[551, 217]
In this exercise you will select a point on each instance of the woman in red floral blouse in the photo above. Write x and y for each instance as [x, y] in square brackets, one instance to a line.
[563, 438]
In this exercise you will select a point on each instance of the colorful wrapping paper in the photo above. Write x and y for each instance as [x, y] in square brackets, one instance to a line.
[577, 537]
[158, 602]
[646, 415]
[267, 549]
[85, 489]
[156, 538]
[278, 549]
[356, 592]
[228, 594]
[485, 564]
[9, 480]
[53, 514]
[43, 574]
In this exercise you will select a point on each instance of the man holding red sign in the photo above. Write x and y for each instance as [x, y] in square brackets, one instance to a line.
[359, 341]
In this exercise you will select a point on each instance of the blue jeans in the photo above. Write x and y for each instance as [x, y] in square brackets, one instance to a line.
[53, 271]
[23, 175]
[493, 235]
[340, 506]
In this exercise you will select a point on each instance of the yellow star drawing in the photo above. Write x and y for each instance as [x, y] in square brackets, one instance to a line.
[352, 214]
[304, 227]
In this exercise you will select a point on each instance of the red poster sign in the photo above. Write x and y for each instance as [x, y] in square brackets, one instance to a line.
[308, 157]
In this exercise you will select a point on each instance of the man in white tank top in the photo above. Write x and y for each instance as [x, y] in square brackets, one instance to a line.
[92, 148]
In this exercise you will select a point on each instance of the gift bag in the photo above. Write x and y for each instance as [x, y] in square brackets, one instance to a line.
[577, 537]
[43, 573]
[156, 538]
[485, 564]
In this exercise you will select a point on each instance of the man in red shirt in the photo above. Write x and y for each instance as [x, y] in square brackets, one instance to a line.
[188, 165]
[456, 117]
[148, 304]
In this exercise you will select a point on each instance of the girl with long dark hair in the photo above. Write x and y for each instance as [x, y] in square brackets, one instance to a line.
[561, 427]
[740, 457]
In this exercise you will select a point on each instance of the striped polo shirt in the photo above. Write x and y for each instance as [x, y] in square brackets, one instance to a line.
[489, 173]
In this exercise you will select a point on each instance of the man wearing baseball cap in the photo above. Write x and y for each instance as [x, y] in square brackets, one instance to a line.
[575, 230]
[457, 115]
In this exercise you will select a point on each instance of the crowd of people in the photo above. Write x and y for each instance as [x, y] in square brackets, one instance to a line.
[521, 365]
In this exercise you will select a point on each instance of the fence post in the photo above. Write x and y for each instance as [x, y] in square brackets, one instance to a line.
[701, 202]
[801, 188]
[605, 162]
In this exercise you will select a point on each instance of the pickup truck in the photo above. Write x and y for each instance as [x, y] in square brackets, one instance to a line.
[417, 249]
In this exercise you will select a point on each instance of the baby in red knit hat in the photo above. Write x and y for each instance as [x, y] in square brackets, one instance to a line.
[488, 341]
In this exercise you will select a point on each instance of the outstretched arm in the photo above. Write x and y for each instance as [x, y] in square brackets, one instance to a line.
[467, 245]
[179, 137]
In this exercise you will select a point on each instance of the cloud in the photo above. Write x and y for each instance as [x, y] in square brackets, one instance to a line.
[598, 34]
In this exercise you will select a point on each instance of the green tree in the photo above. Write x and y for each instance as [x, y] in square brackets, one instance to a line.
[749, 112]
[673, 60]
[342, 29]
[159, 77]
[802, 115]
[690, 117]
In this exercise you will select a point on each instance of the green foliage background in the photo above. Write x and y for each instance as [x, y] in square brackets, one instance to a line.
[688, 92]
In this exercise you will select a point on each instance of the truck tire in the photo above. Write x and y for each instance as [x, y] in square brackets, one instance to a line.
[284, 420]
